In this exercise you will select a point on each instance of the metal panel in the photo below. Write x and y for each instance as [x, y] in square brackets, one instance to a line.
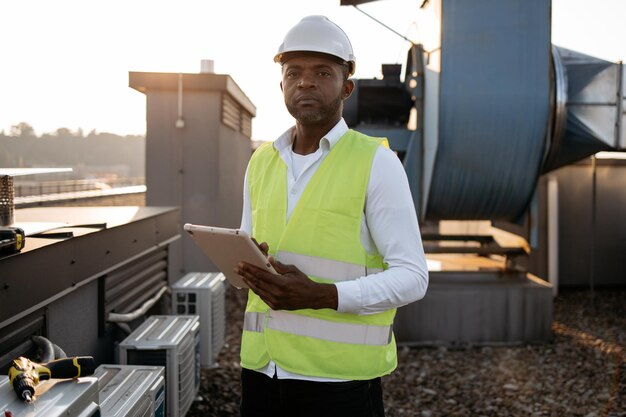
[172, 342]
[494, 94]
[72, 323]
[590, 79]
[231, 112]
[131, 391]
[586, 256]
[29, 281]
[15, 338]
[591, 120]
[432, 98]
[596, 123]
[130, 286]
[203, 294]
[481, 308]
[622, 139]
[609, 262]
[54, 399]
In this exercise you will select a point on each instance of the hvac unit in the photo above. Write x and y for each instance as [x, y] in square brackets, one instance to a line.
[131, 391]
[53, 398]
[174, 343]
[203, 293]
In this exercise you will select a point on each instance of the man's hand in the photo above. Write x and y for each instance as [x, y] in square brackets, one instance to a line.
[290, 289]
[264, 247]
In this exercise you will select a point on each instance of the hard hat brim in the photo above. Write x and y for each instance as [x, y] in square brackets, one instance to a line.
[283, 57]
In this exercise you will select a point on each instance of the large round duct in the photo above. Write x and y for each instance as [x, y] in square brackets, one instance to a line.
[497, 106]
[493, 105]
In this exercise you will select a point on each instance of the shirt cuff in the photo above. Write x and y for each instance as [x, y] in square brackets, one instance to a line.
[349, 297]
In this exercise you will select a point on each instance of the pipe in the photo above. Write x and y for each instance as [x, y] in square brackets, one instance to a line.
[58, 352]
[592, 255]
[47, 350]
[180, 121]
[125, 327]
[127, 317]
[553, 234]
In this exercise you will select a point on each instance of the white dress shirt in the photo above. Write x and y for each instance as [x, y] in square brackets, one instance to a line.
[389, 227]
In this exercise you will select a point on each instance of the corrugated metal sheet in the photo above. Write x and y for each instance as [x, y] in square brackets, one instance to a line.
[133, 284]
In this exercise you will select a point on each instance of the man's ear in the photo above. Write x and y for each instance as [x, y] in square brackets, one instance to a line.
[348, 88]
[281, 86]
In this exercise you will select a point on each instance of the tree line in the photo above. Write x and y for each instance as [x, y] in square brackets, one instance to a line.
[91, 154]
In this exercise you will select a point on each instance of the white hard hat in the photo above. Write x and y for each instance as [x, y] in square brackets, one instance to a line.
[317, 34]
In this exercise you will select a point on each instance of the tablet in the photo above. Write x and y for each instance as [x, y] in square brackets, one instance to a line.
[226, 247]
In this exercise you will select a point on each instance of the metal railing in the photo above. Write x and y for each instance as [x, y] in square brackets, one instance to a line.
[38, 188]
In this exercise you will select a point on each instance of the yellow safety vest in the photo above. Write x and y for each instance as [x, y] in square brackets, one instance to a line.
[322, 238]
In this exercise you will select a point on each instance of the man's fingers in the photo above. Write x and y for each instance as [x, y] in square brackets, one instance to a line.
[279, 267]
[265, 295]
[257, 276]
[264, 247]
[246, 268]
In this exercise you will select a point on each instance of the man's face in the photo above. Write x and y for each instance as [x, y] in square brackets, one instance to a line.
[314, 88]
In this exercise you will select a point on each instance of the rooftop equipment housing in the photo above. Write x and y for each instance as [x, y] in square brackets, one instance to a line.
[172, 342]
[203, 294]
[55, 398]
[129, 391]
[197, 149]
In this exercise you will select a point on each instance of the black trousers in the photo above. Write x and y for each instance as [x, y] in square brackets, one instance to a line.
[262, 396]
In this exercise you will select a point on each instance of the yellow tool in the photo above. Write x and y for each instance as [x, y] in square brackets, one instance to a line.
[24, 375]
[12, 239]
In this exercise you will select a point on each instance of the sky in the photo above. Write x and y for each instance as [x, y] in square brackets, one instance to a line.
[65, 63]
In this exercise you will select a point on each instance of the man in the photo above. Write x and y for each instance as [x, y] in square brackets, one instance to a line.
[334, 209]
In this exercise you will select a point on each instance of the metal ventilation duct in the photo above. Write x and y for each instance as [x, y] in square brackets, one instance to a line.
[588, 111]
[497, 106]
[493, 104]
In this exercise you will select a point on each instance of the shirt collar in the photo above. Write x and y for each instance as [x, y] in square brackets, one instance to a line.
[329, 140]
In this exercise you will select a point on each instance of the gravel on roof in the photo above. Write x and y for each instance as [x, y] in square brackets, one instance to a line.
[582, 372]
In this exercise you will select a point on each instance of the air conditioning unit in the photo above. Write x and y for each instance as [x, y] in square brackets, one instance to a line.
[203, 293]
[53, 398]
[174, 343]
[131, 391]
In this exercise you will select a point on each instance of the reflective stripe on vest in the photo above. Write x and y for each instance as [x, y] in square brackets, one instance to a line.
[326, 268]
[358, 334]
[254, 322]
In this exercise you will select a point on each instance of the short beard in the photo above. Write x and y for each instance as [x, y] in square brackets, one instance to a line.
[315, 116]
